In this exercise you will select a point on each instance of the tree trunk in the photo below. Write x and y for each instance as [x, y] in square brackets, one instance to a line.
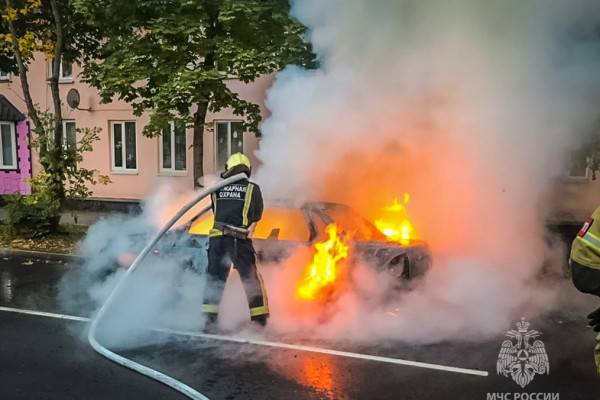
[50, 152]
[198, 145]
[200, 117]
[56, 169]
[22, 72]
[54, 78]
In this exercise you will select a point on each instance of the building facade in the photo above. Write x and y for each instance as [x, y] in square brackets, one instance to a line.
[15, 150]
[134, 163]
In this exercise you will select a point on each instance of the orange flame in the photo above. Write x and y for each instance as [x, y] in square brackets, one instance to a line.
[395, 223]
[322, 272]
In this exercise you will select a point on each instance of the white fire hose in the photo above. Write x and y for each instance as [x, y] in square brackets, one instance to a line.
[149, 372]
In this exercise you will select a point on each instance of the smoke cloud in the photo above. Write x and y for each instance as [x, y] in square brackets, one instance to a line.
[469, 106]
[165, 291]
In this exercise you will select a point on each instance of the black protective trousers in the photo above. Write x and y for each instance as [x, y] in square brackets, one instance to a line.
[585, 279]
[222, 252]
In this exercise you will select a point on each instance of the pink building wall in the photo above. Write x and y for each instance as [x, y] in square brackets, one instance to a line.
[571, 200]
[91, 113]
[15, 181]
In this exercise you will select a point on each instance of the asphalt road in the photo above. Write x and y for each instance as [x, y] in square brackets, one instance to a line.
[43, 357]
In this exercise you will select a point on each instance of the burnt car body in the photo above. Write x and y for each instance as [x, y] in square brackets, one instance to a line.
[285, 227]
[282, 229]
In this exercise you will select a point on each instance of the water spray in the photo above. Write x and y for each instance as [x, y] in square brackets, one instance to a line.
[149, 372]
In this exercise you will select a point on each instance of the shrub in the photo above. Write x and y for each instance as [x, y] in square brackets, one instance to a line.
[35, 215]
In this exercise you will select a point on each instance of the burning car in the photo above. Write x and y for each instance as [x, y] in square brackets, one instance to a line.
[285, 227]
[334, 233]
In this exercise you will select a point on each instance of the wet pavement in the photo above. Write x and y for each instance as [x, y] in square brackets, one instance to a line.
[48, 358]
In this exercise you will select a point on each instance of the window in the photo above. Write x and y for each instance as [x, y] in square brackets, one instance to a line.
[4, 76]
[8, 142]
[578, 166]
[66, 71]
[124, 153]
[230, 140]
[173, 149]
[69, 134]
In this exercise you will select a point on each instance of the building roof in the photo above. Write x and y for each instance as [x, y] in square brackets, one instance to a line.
[8, 112]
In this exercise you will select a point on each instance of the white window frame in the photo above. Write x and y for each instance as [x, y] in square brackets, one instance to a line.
[64, 131]
[13, 133]
[585, 177]
[4, 76]
[216, 140]
[172, 170]
[579, 178]
[61, 77]
[123, 169]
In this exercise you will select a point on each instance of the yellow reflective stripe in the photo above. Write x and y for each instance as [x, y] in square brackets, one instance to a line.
[262, 310]
[215, 232]
[262, 289]
[210, 308]
[591, 240]
[247, 202]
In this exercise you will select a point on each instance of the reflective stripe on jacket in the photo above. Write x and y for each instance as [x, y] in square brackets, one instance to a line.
[237, 205]
[586, 246]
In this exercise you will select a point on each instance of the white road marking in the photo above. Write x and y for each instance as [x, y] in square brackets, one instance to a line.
[44, 314]
[310, 349]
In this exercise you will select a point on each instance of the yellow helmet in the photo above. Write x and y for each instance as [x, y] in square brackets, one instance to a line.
[237, 159]
[237, 163]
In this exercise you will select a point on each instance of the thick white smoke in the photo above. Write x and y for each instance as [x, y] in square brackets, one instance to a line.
[166, 291]
[471, 107]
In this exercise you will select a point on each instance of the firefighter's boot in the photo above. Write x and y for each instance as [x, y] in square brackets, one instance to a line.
[211, 325]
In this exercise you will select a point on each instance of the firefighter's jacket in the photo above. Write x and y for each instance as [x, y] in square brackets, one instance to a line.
[586, 246]
[239, 204]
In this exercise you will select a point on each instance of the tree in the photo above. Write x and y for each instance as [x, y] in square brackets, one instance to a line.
[173, 58]
[29, 28]
[51, 27]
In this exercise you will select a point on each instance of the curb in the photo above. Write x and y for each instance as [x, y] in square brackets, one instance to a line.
[11, 251]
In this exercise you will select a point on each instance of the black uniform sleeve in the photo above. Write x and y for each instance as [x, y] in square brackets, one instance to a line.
[257, 206]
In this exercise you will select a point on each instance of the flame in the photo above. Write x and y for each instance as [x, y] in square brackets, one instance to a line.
[395, 223]
[322, 272]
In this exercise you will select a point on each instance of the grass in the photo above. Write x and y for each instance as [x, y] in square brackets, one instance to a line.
[63, 241]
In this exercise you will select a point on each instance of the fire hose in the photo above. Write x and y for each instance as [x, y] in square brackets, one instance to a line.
[149, 372]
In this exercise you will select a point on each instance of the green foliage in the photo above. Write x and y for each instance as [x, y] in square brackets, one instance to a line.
[36, 215]
[36, 31]
[54, 28]
[75, 179]
[174, 58]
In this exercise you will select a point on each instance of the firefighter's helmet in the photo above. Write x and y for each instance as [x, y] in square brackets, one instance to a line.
[237, 163]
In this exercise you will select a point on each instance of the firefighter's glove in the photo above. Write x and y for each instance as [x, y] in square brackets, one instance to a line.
[594, 320]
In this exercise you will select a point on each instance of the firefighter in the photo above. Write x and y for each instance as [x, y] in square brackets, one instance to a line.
[237, 208]
[585, 269]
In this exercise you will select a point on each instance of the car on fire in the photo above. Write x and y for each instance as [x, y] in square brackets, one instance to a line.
[284, 227]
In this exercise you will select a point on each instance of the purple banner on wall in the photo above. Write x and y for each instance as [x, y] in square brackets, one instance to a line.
[15, 181]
